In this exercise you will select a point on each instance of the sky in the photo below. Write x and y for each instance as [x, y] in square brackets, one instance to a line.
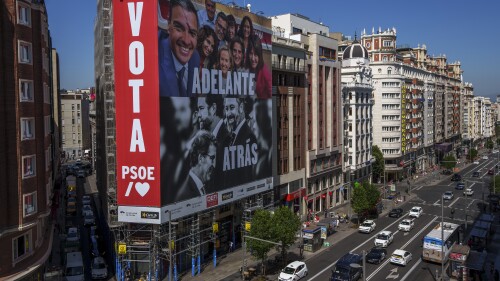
[463, 30]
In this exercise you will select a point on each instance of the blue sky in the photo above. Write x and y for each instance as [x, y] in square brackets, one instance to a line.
[463, 30]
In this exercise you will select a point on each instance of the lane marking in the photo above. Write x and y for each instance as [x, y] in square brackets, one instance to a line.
[404, 246]
[411, 269]
[449, 206]
[359, 246]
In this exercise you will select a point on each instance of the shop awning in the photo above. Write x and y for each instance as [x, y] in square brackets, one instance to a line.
[296, 194]
[476, 260]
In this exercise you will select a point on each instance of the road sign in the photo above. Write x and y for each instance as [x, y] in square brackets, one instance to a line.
[215, 227]
[122, 248]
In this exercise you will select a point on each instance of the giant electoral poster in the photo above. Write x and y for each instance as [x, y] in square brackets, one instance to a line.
[193, 106]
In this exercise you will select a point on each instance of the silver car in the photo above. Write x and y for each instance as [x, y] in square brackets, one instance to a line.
[448, 195]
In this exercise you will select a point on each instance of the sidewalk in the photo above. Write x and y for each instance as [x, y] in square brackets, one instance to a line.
[228, 265]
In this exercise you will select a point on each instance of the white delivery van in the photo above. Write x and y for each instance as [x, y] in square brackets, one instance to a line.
[74, 267]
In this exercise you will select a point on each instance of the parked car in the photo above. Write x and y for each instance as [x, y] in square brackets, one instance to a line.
[406, 225]
[396, 213]
[89, 219]
[491, 172]
[86, 200]
[401, 257]
[99, 268]
[416, 211]
[376, 255]
[456, 177]
[86, 208]
[494, 151]
[448, 195]
[73, 234]
[460, 186]
[384, 238]
[447, 172]
[344, 269]
[293, 271]
[475, 174]
[476, 162]
[468, 192]
[485, 157]
[367, 226]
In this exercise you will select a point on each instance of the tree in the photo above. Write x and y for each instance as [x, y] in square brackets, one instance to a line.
[449, 162]
[495, 188]
[372, 195]
[378, 166]
[489, 144]
[261, 227]
[472, 154]
[284, 227]
[359, 202]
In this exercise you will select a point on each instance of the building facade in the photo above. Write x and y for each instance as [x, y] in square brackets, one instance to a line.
[27, 172]
[75, 126]
[358, 103]
[323, 111]
[289, 87]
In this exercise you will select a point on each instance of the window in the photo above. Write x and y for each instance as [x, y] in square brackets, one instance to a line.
[29, 204]
[390, 95]
[390, 84]
[384, 58]
[390, 106]
[46, 96]
[23, 14]
[21, 246]
[29, 166]
[387, 43]
[26, 90]
[389, 70]
[27, 128]
[46, 120]
[24, 49]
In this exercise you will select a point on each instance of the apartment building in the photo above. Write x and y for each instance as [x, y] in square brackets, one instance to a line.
[357, 102]
[75, 125]
[323, 111]
[417, 104]
[27, 170]
[467, 110]
[289, 87]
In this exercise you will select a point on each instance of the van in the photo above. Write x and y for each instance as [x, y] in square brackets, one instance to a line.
[348, 268]
[74, 267]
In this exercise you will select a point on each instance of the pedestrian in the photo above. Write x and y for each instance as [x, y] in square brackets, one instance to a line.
[230, 246]
[326, 213]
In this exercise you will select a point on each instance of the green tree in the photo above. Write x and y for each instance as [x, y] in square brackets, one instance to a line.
[496, 187]
[261, 227]
[372, 195]
[359, 200]
[489, 144]
[449, 162]
[284, 227]
[472, 154]
[378, 166]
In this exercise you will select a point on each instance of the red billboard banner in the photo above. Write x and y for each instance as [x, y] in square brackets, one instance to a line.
[136, 100]
[193, 107]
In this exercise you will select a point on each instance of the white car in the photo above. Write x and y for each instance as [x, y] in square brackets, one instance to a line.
[72, 234]
[88, 218]
[401, 257]
[415, 212]
[406, 225]
[468, 192]
[448, 195]
[367, 226]
[476, 162]
[86, 200]
[494, 151]
[85, 209]
[384, 238]
[485, 157]
[294, 271]
[99, 268]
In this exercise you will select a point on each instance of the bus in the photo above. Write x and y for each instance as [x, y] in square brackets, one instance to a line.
[433, 242]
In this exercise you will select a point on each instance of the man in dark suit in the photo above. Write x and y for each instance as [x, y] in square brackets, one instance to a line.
[240, 136]
[177, 55]
[202, 158]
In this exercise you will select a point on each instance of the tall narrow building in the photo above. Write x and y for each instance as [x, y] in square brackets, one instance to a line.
[26, 148]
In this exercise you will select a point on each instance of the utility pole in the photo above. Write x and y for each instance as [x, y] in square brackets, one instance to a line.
[442, 238]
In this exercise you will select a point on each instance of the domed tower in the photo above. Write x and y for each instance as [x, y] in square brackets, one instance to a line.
[357, 109]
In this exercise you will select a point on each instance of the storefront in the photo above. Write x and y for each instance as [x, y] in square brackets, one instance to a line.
[312, 238]
[293, 200]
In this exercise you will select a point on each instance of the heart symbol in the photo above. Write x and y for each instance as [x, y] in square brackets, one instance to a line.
[142, 188]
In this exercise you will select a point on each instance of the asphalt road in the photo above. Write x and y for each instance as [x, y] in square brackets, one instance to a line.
[429, 198]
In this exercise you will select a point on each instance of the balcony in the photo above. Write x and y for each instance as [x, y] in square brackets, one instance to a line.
[288, 66]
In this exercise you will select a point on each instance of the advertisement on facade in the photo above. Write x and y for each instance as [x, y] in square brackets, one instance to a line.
[193, 107]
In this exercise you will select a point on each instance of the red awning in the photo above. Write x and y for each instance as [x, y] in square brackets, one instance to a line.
[330, 193]
[323, 195]
[296, 194]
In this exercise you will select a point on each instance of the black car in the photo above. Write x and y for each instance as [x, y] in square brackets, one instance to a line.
[447, 172]
[376, 255]
[396, 213]
[475, 174]
[460, 186]
[456, 177]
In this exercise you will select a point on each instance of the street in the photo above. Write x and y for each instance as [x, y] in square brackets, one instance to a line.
[466, 209]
